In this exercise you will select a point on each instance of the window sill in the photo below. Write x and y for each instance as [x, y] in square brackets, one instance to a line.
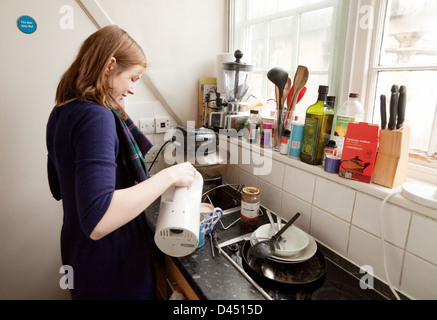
[369, 189]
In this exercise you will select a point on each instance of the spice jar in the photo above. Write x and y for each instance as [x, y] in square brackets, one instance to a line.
[250, 199]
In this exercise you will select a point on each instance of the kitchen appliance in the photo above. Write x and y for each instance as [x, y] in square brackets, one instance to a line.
[236, 84]
[177, 229]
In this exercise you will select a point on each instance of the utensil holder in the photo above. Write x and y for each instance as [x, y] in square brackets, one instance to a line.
[392, 159]
[278, 129]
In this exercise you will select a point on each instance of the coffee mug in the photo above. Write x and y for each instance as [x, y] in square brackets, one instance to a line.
[201, 231]
[212, 216]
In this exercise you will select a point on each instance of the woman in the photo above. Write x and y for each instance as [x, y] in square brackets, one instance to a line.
[96, 166]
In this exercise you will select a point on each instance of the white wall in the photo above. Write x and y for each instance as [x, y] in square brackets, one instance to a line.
[181, 39]
[30, 68]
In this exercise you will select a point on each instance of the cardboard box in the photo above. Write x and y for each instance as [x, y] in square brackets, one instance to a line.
[359, 152]
[207, 95]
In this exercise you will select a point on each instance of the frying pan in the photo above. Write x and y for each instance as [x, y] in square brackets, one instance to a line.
[285, 273]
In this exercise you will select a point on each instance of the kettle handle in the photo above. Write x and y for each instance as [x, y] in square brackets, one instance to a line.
[181, 194]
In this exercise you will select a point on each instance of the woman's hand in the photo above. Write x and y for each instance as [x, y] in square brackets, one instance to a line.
[182, 174]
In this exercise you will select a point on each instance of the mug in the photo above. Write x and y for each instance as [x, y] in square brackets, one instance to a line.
[201, 231]
[212, 216]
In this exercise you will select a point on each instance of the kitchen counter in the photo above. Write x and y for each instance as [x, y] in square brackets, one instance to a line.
[214, 278]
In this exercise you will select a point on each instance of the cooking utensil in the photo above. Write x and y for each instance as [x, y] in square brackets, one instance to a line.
[300, 96]
[286, 92]
[289, 275]
[296, 240]
[383, 112]
[279, 77]
[394, 101]
[269, 215]
[300, 80]
[265, 249]
[402, 107]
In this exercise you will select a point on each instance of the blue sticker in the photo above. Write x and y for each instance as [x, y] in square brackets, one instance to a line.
[26, 24]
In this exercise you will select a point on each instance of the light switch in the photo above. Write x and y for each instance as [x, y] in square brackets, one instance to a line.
[147, 125]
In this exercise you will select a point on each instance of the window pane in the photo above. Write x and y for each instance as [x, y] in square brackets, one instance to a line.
[293, 4]
[315, 39]
[411, 36]
[257, 53]
[281, 44]
[260, 8]
[311, 95]
[421, 102]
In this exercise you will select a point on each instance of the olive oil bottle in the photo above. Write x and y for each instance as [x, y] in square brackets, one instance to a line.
[317, 129]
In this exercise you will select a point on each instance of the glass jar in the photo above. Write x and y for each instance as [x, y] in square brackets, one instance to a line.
[250, 200]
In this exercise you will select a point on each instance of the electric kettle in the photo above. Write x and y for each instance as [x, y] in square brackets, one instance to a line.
[177, 229]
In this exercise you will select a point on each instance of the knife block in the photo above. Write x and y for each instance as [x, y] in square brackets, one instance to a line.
[392, 159]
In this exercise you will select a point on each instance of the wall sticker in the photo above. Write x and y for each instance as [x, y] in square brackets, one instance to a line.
[26, 24]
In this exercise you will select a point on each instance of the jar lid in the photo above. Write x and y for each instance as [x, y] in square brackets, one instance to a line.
[251, 190]
[267, 125]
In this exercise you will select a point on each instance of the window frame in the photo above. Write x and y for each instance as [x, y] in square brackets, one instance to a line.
[419, 167]
[340, 17]
[359, 68]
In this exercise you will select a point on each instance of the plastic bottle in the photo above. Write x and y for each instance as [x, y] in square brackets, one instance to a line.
[350, 111]
[318, 126]
[266, 135]
[296, 138]
[252, 126]
[285, 142]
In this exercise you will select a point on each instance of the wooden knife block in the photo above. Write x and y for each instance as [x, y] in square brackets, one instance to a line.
[392, 159]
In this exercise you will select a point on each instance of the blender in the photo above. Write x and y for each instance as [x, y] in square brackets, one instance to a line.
[236, 84]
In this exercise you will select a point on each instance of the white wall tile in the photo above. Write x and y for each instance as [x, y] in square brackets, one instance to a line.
[276, 175]
[419, 278]
[422, 238]
[231, 175]
[330, 230]
[270, 196]
[291, 205]
[395, 220]
[366, 249]
[245, 178]
[299, 183]
[334, 198]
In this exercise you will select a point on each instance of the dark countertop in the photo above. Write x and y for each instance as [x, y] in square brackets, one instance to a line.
[214, 278]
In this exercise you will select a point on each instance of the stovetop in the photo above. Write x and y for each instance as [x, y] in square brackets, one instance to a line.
[341, 280]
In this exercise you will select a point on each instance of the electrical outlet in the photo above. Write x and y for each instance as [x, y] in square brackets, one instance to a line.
[152, 154]
[162, 124]
[147, 125]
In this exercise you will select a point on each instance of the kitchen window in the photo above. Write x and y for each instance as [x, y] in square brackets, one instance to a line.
[353, 46]
[284, 33]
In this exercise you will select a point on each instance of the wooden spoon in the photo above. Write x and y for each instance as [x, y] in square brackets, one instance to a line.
[300, 81]
[287, 89]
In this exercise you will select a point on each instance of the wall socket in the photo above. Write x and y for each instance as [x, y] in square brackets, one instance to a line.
[162, 124]
[151, 155]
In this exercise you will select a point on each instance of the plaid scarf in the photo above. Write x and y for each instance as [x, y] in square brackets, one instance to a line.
[133, 146]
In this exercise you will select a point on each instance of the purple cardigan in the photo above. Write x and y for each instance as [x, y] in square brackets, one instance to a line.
[84, 169]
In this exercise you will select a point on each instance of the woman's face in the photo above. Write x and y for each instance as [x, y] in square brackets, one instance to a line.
[124, 83]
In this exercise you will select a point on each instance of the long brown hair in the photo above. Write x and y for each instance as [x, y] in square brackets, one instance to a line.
[86, 79]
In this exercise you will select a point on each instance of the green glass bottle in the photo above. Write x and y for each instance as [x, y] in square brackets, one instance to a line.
[318, 125]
